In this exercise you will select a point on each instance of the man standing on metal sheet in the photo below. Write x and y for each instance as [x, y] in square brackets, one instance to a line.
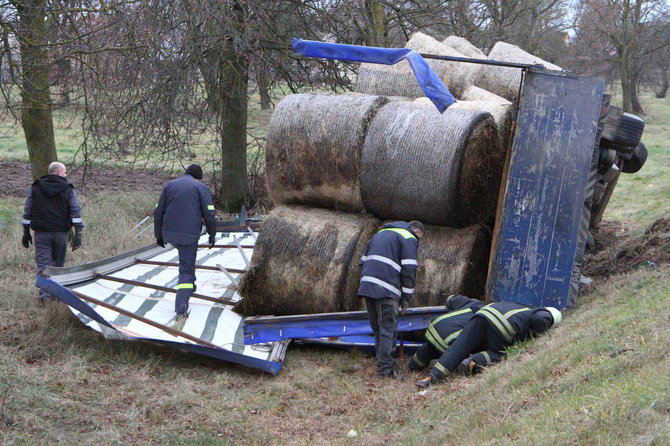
[444, 329]
[51, 209]
[485, 337]
[388, 277]
[183, 205]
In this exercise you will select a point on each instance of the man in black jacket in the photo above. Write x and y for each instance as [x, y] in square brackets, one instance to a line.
[487, 335]
[51, 209]
[444, 329]
[388, 277]
[184, 204]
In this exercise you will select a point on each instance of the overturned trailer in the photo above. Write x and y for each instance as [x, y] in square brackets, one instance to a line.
[545, 200]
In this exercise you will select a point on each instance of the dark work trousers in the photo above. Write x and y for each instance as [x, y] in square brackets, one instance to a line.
[383, 315]
[50, 249]
[186, 285]
[478, 335]
[422, 357]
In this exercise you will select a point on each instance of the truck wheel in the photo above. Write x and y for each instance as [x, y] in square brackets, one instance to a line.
[637, 160]
[630, 130]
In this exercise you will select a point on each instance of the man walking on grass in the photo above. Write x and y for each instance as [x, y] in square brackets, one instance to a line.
[388, 276]
[184, 204]
[51, 209]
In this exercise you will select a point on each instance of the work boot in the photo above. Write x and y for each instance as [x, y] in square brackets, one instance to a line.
[468, 367]
[180, 321]
[424, 382]
[435, 377]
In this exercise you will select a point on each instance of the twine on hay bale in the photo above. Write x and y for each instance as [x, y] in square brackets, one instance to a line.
[314, 149]
[502, 113]
[452, 261]
[443, 169]
[473, 93]
[463, 46]
[504, 81]
[306, 260]
[388, 80]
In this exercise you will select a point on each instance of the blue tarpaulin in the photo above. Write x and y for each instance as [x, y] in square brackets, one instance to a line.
[430, 82]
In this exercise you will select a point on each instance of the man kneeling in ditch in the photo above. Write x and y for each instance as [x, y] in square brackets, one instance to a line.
[486, 336]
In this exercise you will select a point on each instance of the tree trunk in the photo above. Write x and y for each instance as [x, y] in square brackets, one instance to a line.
[377, 34]
[36, 115]
[636, 106]
[233, 118]
[263, 84]
[664, 85]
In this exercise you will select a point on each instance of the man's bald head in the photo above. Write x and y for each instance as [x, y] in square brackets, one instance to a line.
[57, 168]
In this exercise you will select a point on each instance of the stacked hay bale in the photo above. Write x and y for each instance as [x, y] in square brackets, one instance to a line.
[505, 81]
[306, 261]
[442, 169]
[464, 47]
[339, 164]
[452, 261]
[501, 110]
[314, 147]
[399, 80]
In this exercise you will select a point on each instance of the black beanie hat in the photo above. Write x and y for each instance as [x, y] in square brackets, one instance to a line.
[195, 171]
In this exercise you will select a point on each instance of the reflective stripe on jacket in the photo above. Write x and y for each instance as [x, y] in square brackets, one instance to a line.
[390, 262]
[183, 205]
[516, 322]
[444, 329]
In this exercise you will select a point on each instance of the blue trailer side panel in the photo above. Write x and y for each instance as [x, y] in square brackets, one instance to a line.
[537, 226]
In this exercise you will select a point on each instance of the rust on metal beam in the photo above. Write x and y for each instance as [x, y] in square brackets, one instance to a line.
[204, 267]
[132, 315]
[163, 288]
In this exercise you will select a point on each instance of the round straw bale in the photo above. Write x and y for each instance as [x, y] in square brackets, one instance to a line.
[504, 81]
[473, 93]
[452, 261]
[388, 80]
[463, 46]
[314, 147]
[457, 76]
[441, 169]
[306, 260]
[503, 115]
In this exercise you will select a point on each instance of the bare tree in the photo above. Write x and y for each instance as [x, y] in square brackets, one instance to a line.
[615, 30]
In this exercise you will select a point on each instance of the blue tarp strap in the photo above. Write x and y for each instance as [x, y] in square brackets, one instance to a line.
[430, 83]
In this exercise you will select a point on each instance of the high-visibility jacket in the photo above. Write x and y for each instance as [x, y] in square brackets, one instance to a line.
[390, 262]
[183, 205]
[516, 322]
[444, 329]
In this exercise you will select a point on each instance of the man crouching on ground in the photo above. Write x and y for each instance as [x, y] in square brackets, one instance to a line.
[388, 276]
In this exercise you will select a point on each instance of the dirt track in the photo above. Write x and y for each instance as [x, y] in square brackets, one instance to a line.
[18, 179]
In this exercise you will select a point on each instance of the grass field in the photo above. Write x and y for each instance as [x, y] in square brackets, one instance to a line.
[600, 378]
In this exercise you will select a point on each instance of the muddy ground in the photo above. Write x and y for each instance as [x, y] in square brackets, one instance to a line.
[18, 179]
[617, 251]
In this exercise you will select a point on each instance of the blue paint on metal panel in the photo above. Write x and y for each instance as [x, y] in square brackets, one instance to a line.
[538, 226]
[334, 325]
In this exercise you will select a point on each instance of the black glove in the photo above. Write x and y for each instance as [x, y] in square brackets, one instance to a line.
[27, 239]
[212, 240]
[405, 302]
[76, 240]
[160, 242]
